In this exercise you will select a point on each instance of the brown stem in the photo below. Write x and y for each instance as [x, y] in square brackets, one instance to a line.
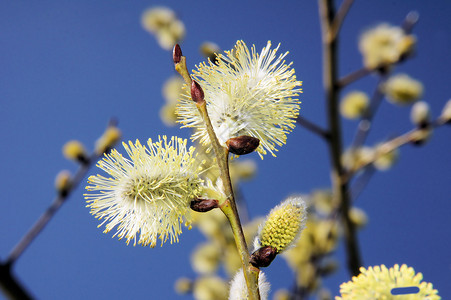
[354, 76]
[43, 220]
[339, 18]
[339, 187]
[10, 285]
[312, 127]
[393, 144]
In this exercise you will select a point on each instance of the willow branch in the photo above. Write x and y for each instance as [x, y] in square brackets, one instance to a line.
[361, 182]
[339, 18]
[395, 143]
[313, 127]
[49, 213]
[228, 207]
[11, 286]
[354, 76]
[364, 126]
[340, 188]
[410, 21]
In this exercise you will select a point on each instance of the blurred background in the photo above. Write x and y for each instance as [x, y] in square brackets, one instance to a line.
[67, 67]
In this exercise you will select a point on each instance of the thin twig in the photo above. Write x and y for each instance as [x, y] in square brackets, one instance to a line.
[339, 18]
[354, 76]
[395, 143]
[43, 220]
[410, 21]
[364, 125]
[361, 182]
[312, 127]
[9, 284]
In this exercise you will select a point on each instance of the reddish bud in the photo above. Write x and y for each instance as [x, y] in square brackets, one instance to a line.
[177, 54]
[197, 94]
[263, 256]
[243, 144]
[203, 205]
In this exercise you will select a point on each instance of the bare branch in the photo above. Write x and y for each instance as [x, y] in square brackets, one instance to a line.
[364, 125]
[340, 188]
[312, 127]
[11, 286]
[339, 18]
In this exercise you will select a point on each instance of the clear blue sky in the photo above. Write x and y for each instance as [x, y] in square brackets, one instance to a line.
[68, 66]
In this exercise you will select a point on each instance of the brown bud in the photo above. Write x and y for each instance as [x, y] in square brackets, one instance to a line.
[203, 205]
[197, 94]
[263, 256]
[243, 144]
[177, 54]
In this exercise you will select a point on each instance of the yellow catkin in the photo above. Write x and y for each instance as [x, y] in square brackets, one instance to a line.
[283, 225]
[354, 105]
[74, 150]
[401, 89]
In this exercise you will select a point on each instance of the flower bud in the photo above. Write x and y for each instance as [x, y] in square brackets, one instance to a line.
[183, 286]
[74, 150]
[324, 294]
[63, 182]
[162, 22]
[282, 294]
[326, 235]
[210, 50]
[358, 217]
[380, 46]
[401, 89]
[242, 145]
[263, 256]
[108, 139]
[283, 226]
[307, 276]
[406, 46]
[203, 205]
[354, 105]
[177, 54]
[177, 30]
[172, 89]
[420, 114]
[243, 169]
[205, 259]
[156, 18]
[210, 287]
[197, 94]
[167, 114]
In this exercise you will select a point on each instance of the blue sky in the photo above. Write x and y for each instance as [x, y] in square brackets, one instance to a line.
[68, 66]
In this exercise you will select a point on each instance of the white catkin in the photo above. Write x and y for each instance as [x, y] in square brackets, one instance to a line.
[238, 289]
